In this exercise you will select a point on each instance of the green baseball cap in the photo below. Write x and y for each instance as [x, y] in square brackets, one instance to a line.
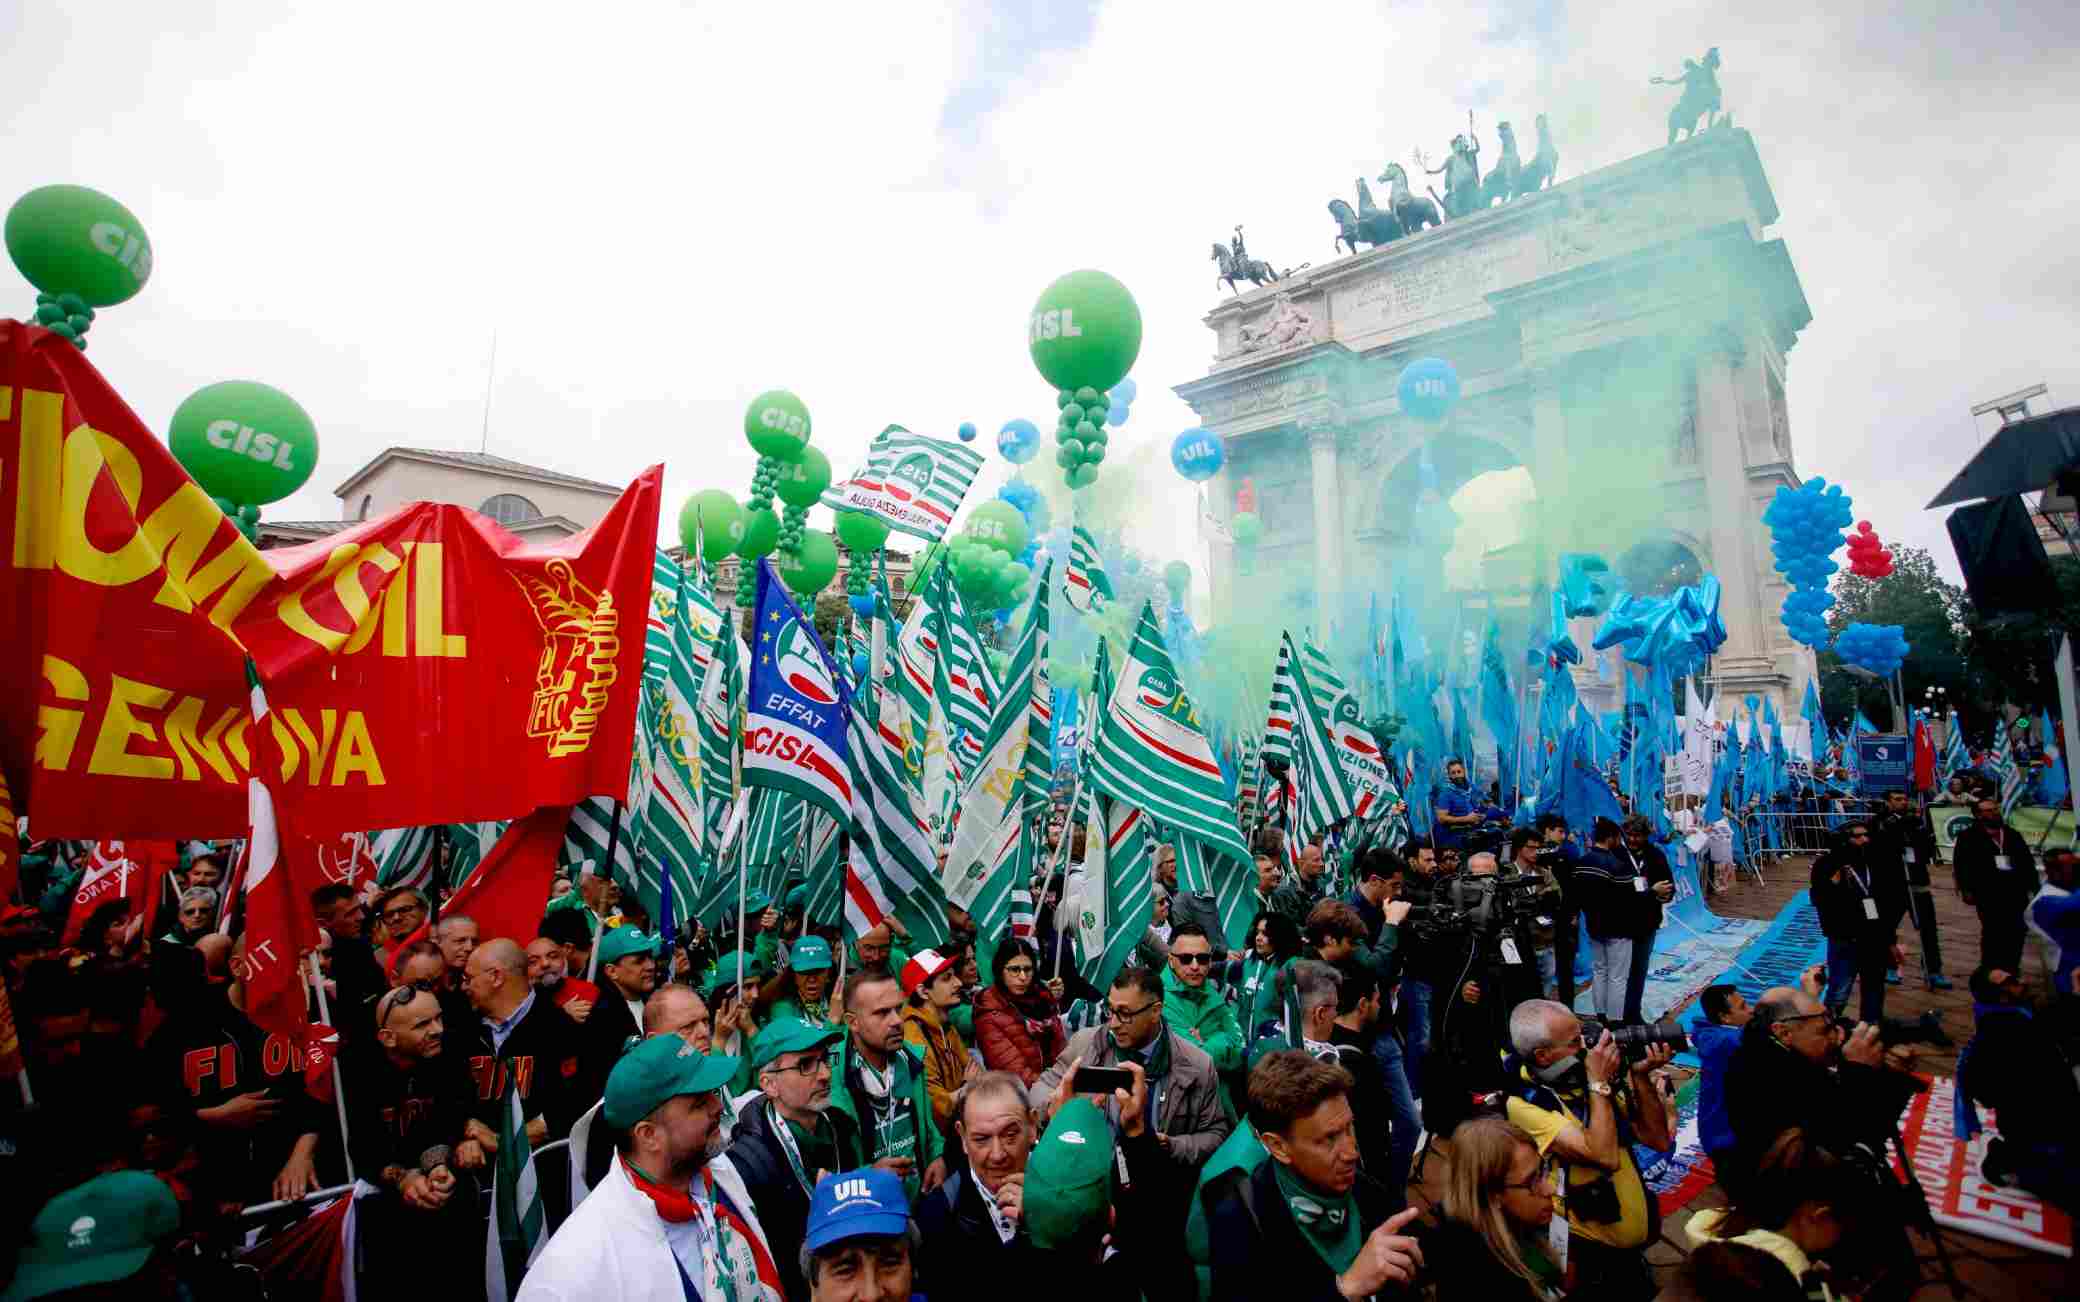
[620, 942]
[790, 1035]
[798, 897]
[1069, 1177]
[757, 902]
[731, 969]
[96, 1233]
[658, 1070]
[810, 954]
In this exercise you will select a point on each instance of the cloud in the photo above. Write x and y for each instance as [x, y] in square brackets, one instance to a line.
[662, 210]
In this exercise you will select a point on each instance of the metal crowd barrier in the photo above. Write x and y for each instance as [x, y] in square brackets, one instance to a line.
[1806, 831]
[316, 1196]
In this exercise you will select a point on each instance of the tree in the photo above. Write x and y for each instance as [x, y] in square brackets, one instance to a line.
[2010, 655]
[1930, 612]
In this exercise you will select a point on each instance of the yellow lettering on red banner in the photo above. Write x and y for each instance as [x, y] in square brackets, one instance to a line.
[393, 611]
[36, 479]
[357, 753]
[431, 639]
[88, 452]
[112, 754]
[354, 598]
[179, 530]
[299, 620]
[57, 728]
[189, 742]
[314, 747]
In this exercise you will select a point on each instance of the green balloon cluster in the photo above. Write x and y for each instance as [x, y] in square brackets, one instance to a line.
[245, 519]
[980, 558]
[246, 442]
[68, 239]
[777, 425]
[999, 524]
[1080, 435]
[65, 314]
[712, 519]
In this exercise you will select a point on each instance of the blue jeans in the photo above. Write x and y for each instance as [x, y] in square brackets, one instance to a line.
[1402, 1119]
[1846, 961]
[1414, 1015]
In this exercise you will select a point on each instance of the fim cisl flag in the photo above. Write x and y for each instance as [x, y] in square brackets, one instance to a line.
[794, 721]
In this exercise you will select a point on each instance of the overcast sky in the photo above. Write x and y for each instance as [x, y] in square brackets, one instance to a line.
[662, 209]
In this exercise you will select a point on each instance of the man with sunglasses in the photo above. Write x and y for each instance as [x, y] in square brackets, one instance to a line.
[788, 1135]
[1191, 1118]
[1860, 901]
[1193, 1005]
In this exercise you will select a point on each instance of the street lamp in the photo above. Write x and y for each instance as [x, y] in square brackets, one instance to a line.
[1933, 700]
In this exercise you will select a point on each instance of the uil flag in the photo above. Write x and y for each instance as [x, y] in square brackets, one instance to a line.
[913, 483]
[1147, 749]
[1084, 582]
[794, 725]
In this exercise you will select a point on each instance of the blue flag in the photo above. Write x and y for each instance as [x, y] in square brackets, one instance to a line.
[795, 713]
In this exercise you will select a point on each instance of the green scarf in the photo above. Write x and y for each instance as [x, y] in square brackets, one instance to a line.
[1330, 1225]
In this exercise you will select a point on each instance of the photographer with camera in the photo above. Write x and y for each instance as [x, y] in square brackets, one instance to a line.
[1484, 922]
[1860, 901]
[1584, 1105]
[1795, 1067]
[1528, 855]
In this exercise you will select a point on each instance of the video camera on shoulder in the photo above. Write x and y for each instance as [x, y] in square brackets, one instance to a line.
[1487, 906]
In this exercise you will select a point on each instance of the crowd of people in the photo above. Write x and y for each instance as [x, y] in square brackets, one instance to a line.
[797, 1114]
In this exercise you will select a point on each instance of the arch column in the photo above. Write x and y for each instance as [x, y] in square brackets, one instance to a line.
[1321, 426]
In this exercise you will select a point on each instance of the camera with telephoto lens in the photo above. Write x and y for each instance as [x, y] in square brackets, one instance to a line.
[1925, 1029]
[1634, 1041]
[1482, 906]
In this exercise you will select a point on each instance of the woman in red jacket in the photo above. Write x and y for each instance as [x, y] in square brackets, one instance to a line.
[1018, 1025]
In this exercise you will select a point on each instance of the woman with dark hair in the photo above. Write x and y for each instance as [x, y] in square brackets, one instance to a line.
[1018, 1025]
[1498, 1202]
[1274, 942]
[1801, 1202]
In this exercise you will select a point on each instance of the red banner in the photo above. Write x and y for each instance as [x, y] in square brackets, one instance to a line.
[427, 667]
[133, 872]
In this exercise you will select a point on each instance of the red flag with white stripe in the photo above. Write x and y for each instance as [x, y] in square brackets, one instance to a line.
[129, 871]
[280, 872]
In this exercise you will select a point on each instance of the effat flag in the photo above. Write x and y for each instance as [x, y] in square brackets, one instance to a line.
[129, 872]
[794, 724]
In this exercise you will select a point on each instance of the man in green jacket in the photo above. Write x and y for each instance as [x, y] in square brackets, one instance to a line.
[1193, 1006]
[879, 1082]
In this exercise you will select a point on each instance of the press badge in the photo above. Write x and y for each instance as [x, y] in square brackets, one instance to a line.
[1509, 951]
[1910, 854]
[1639, 883]
[1870, 908]
[1556, 1242]
[2000, 861]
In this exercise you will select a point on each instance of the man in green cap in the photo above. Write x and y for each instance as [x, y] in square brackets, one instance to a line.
[809, 997]
[107, 1230]
[879, 1084]
[627, 975]
[1074, 1201]
[669, 1222]
[788, 1136]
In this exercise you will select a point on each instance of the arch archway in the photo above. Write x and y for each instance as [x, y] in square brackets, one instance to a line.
[1656, 567]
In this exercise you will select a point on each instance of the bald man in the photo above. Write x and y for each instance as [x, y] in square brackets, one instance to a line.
[673, 1009]
[1797, 1067]
[519, 1038]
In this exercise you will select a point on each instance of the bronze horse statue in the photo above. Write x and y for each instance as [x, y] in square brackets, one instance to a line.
[1700, 83]
[1371, 225]
[1254, 270]
[1502, 182]
[1412, 213]
[1539, 172]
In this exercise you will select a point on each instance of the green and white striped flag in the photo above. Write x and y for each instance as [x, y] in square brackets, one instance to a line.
[404, 856]
[1278, 724]
[923, 684]
[825, 906]
[892, 842]
[1148, 750]
[1324, 790]
[982, 866]
[667, 817]
[1117, 899]
[1084, 582]
[773, 839]
[585, 842]
[518, 1227]
[971, 683]
[915, 484]
[719, 716]
[468, 843]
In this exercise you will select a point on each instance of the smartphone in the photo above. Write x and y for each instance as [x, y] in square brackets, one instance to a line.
[1101, 1080]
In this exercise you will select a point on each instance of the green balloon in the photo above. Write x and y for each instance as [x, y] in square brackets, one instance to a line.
[1089, 398]
[802, 481]
[67, 238]
[1177, 576]
[1248, 528]
[1082, 476]
[777, 424]
[809, 569]
[861, 531]
[1071, 416]
[1094, 452]
[244, 441]
[1011, 584]
[1074, 450]
[715, 518]
[1085, 332]
[761, 533]
[997, 523]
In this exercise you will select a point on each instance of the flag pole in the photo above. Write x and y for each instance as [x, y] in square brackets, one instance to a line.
[743, 879]
[339, 1093]
[1068, 835]
[613, 847]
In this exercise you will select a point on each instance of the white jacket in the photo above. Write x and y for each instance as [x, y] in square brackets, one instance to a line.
[613, 1245]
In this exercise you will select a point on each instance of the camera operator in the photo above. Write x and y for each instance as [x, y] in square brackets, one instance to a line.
[1794, 1067]
[1421, 957]
[1860, 902]
[1902, 843]
[1486, 922]
[1578, 1106]
[1528, 855]
[2021, 1070]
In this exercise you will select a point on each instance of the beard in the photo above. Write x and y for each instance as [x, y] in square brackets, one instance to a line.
[549, 982]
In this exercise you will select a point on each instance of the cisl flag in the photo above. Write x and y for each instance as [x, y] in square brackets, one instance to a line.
[126, 871]
[794, 723]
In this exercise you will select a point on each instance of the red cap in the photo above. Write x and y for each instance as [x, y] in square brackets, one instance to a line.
[926, 964]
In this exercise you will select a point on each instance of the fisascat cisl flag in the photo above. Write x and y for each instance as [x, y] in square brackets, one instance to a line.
[425, 667]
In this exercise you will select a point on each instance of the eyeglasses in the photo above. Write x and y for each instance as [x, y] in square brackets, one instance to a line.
[1018, 969]
[1193, 960]
[807, 1067]
[398, 998]
[1825, 1019]
[1114, 1013]
[402, 911]
[1540, 1179]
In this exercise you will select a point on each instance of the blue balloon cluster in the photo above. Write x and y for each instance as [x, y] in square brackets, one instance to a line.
[1428, 388]
[1019, 441]
[1880, 648]
[1805, 529]
[1033, 508]
[863, 604]
[1122, 395]
[1197, 454]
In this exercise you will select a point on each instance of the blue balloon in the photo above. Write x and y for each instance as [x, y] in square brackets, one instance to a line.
[1428, 388]
[1116, 414]
[861, 666]
[1197, 454]
[967, 431]
[1126, 390]
[1019, 441]
[863, 605]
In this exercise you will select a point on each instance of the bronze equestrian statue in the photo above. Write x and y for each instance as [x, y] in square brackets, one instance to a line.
[1254, 270]
[1412, 213]
[1538, 173]
[1700, 82]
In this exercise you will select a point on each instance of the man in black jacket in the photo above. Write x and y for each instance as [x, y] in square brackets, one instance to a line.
[522, 1038]
[1386, 1138]
[1997, 875]
[627, 975]
[1901, 842]
[1860, 903]
[1652, 886]
[356, 975]
[1305, 1226]
[788, 1138]
[973, 1226]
